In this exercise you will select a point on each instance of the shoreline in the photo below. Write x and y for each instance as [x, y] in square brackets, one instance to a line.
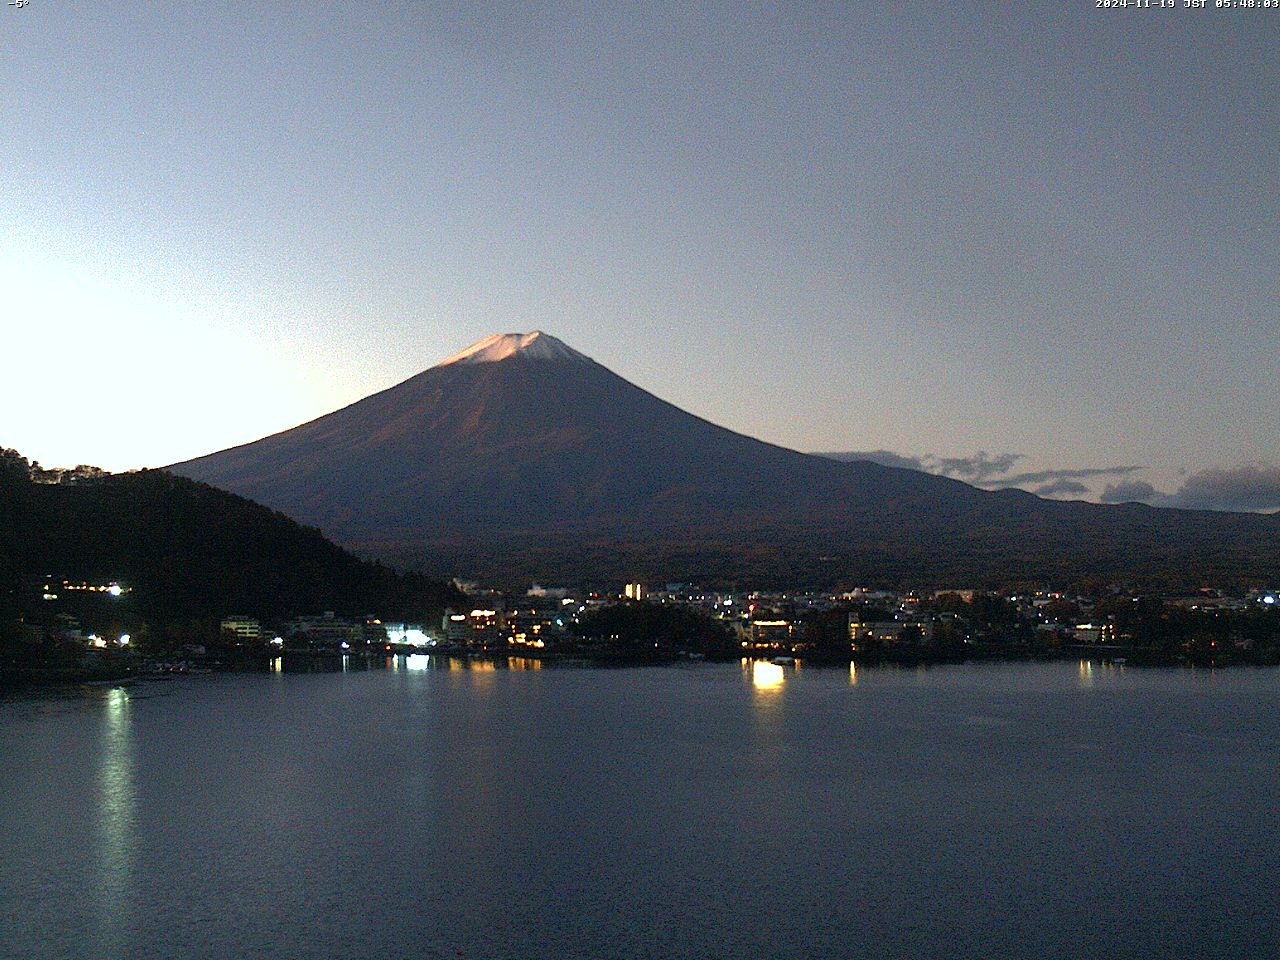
[317, 661]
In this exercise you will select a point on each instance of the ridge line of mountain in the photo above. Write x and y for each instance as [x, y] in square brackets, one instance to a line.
[551, 469]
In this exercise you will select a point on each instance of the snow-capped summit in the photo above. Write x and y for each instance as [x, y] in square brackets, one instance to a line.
[530, 346]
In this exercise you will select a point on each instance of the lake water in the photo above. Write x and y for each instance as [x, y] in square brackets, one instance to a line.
[716, 810]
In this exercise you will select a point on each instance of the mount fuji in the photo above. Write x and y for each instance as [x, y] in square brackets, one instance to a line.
[521, 458]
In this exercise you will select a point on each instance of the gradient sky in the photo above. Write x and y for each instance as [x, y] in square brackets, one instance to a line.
[1039, 228]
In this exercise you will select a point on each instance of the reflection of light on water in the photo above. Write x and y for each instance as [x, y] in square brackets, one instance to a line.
[766, 675]
[853, 673]
[524, 663]
[417, 661]
[276, 664]
[1086, 673]
[766, 731]
[1105, 672]
[116, 801]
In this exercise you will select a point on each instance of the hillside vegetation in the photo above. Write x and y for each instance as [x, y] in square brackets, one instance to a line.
[186, 550]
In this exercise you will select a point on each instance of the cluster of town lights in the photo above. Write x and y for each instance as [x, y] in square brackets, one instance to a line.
[97, 641]
[113, 589]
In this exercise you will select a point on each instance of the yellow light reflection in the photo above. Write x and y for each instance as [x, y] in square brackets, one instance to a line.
[1086, 674]
[853, 673]
[766, 675]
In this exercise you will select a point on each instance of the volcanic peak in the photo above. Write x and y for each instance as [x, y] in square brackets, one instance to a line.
[528, 346]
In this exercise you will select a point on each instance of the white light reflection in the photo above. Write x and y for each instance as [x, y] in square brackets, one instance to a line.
[117, 799]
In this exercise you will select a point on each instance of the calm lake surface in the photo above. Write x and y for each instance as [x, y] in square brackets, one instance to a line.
[721, 810]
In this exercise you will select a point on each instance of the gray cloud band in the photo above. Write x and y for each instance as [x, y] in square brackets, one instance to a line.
[1249, 487]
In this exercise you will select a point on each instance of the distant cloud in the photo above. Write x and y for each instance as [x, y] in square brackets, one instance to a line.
[1248, 487]
[975, 469]
[1127, 491]
[991, 470]
[1076, 473]
[1062, 487]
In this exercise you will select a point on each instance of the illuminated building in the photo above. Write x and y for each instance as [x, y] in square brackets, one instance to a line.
[635, 591]
[771, 634]
[455, 627]
[535, 624]
[887, 631]
[326, 631]
[484, 627]
[1088, 633]
[242, 628]
[406, 634]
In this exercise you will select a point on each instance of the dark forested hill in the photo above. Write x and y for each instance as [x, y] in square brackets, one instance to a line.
[188, 550]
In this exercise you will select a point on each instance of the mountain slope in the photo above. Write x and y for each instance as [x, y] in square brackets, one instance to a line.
[521, 457]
